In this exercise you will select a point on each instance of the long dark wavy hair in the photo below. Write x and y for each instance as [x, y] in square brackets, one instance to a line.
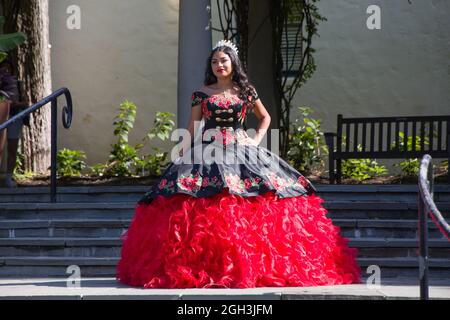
[239, 77]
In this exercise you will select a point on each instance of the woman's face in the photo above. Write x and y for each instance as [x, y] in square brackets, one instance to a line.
[221, 65]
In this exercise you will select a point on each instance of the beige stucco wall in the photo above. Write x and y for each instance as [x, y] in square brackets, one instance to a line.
[124, 50]
[401, 69]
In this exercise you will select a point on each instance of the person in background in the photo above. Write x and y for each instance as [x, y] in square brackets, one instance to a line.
[10, 105]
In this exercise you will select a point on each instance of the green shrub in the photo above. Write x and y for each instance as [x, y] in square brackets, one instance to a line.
[409, 167]
[20, 163]
[122, 156]
[70, 162]
[306, 142]
[152, 164]
[361, 169]
[444, 165]
[125, 160]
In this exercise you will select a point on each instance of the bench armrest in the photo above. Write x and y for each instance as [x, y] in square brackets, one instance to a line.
[329, 140]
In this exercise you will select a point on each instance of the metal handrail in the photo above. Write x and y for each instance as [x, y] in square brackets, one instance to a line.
[66, 120]
[427, 206]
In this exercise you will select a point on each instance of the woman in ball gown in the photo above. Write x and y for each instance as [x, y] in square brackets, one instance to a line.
[228, 212]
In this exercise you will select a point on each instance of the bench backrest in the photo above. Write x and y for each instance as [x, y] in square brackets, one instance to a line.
[393, 137]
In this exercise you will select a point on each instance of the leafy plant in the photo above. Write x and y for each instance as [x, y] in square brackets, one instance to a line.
[152, 164]
[163, 126]
[409, 167]
[122, 160]
[98, 169]
[125, 159]
[70, 162]
[25, 175]
[444, 165]
[306, 143]
[20, 160]
[361, 169]
[123, 156]
[9, 41]
[19, 169]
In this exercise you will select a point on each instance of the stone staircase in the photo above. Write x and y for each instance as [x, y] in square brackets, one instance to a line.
[40, 239]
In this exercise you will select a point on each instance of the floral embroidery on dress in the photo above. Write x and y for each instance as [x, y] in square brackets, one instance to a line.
[281, 183]
[223, 102]
[239, 185]
[194, 182]
[190, 183]
[252, 182]
[167, 186]
[205, 111]
[210, 105]
[225, 136]
[241, 114]
[211, 182]
[198, 97]
[303, 182]
[234, 183]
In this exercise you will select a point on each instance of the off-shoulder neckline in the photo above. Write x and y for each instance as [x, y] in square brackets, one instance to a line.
[215, 95]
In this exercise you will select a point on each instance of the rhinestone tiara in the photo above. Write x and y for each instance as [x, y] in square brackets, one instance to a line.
[226, 43]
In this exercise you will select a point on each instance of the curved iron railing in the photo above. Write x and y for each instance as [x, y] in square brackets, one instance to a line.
[427, 206]
[66, 120]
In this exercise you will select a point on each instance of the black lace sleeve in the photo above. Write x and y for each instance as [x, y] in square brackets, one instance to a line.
[198, 97]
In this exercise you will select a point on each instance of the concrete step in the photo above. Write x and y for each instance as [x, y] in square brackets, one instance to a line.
[376, 193]
[92, 228]
[399, 248]
[111, 247]
[46, 211]
[74, 194]
[97, 228]
[61, 247]
[380, 193]
[57, 266]
[382, 210]
[390, 268]
[384, 228]
[125, 210]
[401, 267]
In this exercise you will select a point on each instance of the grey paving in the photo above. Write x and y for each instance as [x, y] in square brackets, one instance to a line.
[109, 288]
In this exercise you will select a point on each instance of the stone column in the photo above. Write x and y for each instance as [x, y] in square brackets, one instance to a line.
[194, 46]
[260, 66]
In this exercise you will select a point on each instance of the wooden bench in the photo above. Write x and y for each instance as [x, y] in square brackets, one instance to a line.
[428, 135]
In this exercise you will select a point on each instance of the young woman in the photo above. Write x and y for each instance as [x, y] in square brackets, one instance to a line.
[252, 221]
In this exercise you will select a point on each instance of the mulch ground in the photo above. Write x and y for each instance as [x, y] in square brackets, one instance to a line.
[440, 177]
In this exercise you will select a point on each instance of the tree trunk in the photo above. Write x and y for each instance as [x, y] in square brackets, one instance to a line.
[33, 69]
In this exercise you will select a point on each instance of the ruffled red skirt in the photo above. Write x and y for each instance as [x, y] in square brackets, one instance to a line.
[231, 241]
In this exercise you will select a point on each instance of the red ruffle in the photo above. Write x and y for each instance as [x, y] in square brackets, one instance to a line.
[231, 241]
